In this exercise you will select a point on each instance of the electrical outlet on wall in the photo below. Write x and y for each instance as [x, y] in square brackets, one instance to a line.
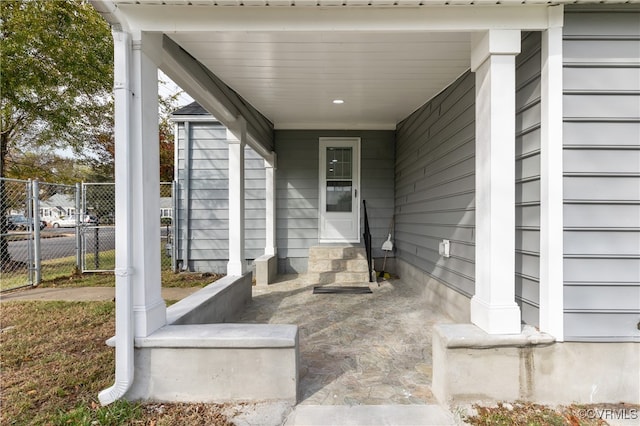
[444, 248]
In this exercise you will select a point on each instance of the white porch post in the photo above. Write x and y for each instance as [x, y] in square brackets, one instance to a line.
[493, 307]
[270, 206]
[236, 140]
[551, 194]
[149, 309]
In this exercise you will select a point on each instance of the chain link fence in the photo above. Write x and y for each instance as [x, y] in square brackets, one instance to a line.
[97, 229]
[58, 210]
[75, 230]
[16, 234]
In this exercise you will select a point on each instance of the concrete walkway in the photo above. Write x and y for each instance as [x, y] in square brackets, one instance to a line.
[365, 359]
[84, 294]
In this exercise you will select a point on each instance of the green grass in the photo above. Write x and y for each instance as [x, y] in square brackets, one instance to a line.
[50, 351]
[55, 362]
[530, 414]
[62, 272]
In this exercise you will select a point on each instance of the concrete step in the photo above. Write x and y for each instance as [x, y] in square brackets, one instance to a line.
[337, 265]
[343, 415]
[336, 252]
[336, 277]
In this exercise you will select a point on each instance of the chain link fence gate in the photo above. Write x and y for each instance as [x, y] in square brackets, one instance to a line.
[58, 210]
[97, 227]
[16, 234]
[75, 230]
[166, 225]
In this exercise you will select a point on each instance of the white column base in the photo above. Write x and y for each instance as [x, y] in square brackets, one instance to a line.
[496, 319]
[236, 269]
[149, 318]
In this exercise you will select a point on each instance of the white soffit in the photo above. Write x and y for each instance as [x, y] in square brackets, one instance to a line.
[292, 78]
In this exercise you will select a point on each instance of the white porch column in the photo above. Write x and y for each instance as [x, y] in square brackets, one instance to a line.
[493, 307]
[270, 206]
[551, 194]
[236, 140]
[149, 309]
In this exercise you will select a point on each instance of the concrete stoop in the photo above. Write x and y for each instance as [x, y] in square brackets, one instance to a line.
[373, 415]
[337, 265]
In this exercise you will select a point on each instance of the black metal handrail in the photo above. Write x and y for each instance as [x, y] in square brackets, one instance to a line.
[367, 240]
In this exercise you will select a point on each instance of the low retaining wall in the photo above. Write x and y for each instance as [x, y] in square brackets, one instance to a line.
[216, 363]
[199, 358]
[470, 365]
[218, 302]
[266, 269]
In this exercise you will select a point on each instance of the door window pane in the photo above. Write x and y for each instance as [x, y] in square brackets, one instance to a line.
[339, 196]
[339, 163]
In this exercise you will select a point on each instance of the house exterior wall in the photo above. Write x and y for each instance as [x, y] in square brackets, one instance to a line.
[602, 173]
[297, 190]
[208, 199]
[528, 178]
[435, 178]
[435, 186]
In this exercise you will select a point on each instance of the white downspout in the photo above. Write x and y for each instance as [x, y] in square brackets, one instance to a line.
[124, 338]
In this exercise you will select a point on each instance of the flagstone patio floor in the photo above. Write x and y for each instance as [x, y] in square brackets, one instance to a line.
[355, 349]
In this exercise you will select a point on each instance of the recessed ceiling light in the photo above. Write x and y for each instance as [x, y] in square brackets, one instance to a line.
[338, 101]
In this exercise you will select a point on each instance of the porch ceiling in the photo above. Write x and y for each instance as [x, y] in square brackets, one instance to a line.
[293, 77]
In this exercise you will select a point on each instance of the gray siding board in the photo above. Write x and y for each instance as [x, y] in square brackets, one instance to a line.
[597, 106]
[435, 185]
[601, 297]
[585, 50]
[602, 270]
[608, 79]
[209, 198]
[601, 216]
[528, 142]
[599, 326]
[456, 186]
[528, 192]
[614, 160]
[604, 243]
[584, 134]
[602, 171]
[528, 217]
[527, 168]
[602, 188]
[528, 240]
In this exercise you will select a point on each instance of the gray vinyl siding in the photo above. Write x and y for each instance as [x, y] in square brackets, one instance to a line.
[297, 187]
[208, 216]
[602, 173]
[527, 265]
[435, 186]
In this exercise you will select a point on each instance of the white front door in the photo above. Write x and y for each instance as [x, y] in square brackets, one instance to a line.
[339, 190]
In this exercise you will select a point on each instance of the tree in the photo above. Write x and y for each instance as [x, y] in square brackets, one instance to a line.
[57, 73]
[56, 76]
[167, 106]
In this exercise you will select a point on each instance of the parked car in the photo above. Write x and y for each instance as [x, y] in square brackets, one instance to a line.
[18, 222]
[90, 219]
[70, 221]
[65, 222]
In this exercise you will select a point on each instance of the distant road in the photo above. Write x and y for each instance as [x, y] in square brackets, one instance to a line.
[61, 242]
